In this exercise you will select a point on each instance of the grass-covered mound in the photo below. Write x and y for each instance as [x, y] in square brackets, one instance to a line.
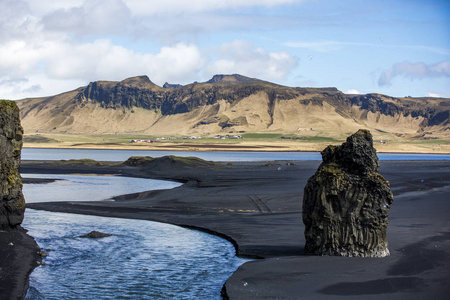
[169, 161]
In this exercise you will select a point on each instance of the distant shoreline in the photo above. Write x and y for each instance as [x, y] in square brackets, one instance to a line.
[207, 148]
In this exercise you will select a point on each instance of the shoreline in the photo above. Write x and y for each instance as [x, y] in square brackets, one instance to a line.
[216, 148]
[19, 256]
[228, 201]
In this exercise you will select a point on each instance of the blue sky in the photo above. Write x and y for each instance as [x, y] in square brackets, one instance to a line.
[397, 48]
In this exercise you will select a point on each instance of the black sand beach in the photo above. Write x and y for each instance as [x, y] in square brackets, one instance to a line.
[18, 257]
[257, 206]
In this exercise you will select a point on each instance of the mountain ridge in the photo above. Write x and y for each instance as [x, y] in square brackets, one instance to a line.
[230, 103]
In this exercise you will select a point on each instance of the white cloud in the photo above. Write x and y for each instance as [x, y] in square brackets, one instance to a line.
[92, 17]
[11, 88]
[179, 63]
[417, 70]
[15, 20]
[62, 62]
[169, 20]
[352, 91]
[244, 58]
[51, 46]
[333, 45]
[434, 95]
[18, 59]
[104, 60]
[36, 85]
[43, 7]
[140, 7]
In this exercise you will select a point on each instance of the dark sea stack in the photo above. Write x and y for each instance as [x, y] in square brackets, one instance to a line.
[12, 205]
[346, 202]
[19, 252]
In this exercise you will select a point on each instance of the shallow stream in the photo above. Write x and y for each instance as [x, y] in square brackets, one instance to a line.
[140, 260]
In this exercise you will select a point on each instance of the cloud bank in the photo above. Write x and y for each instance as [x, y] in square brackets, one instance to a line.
[417, 70]
[352, 92]
[244, 58]
[45, 47]
[94, 16]
[175, 6]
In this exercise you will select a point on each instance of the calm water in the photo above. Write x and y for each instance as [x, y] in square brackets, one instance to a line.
[88, 188]
[121, 155]
[141, 260]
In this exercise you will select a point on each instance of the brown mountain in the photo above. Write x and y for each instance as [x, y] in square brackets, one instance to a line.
[230, 103]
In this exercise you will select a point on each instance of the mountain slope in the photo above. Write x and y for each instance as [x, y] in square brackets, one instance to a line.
[230, 103]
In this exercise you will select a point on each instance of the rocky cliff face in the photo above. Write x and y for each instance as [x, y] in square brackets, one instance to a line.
[132, 92]
[138, 105]
[346, 203]
[177, 99]
[19, 252]
[12, 203]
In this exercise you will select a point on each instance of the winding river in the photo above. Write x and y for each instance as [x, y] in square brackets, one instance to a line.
[140, 260]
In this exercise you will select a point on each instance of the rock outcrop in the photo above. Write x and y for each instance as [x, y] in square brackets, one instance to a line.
[12, 203]
[18, 251]
[346, 202]
[228, 103]
[95, 235]
[169, 161]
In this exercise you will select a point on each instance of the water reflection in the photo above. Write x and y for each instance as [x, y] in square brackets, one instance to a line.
[88, 188]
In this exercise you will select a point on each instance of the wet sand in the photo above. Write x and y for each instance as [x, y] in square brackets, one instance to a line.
[257, 206]
[18, 257]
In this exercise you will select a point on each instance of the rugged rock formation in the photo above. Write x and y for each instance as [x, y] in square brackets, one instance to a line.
[12, 203]
[132, 92]
[18, 251]
[171, 85]
[231, 103]
[231, 78]
[165, 162]
[346, 203]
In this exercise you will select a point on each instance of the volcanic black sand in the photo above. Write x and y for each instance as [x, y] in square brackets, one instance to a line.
[18, 257]
[257, 206]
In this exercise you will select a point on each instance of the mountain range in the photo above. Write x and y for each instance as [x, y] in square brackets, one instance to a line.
[230, 103]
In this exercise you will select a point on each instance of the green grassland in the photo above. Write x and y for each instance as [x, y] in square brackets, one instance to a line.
[126, 138]
[293, 142]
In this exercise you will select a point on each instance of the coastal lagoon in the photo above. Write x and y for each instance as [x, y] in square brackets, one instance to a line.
[122, 155]
[140, 260]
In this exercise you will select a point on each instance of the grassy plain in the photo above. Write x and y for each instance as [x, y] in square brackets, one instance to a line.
[248, 142]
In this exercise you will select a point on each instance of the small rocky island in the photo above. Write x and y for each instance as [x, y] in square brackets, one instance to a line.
[95, 235]
[346, 202]
[18, 251]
